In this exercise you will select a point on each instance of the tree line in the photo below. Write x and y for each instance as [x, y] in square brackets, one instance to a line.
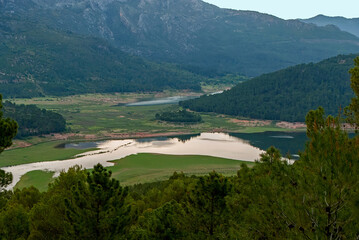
[33, 120]
[179, 116]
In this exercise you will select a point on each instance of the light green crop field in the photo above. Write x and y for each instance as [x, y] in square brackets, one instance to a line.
[39, 179]
[145, 167]
[40, 152]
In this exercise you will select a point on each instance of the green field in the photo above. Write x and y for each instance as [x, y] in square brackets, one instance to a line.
[103, 115]
[40, 152]
[145, 167]
[39, 179]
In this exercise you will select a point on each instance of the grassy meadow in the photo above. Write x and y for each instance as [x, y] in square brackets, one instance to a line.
[46, 151]
[39, 179]
[146, 167]
[105, 114]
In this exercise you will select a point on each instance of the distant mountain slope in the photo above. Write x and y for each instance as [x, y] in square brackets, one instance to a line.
[192, 32]
[287, 94]
[36, 60]
[350, 25]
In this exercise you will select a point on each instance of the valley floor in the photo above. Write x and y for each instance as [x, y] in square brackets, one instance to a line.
[94, 117]
[105, 116]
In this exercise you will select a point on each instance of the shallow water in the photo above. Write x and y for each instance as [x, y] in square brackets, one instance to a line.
[160, 101]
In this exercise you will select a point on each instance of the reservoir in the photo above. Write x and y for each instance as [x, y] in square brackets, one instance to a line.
[236, 146]
[161, 101]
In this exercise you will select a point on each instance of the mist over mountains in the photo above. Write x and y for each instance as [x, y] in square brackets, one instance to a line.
[197, 35]
[350, 25]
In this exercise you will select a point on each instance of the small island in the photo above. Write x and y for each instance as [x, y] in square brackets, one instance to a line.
[179, 116]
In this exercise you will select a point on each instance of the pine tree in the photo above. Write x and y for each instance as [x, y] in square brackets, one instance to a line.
[96, 208]
[8, 130]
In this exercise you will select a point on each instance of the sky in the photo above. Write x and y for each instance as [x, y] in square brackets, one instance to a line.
[290, 9]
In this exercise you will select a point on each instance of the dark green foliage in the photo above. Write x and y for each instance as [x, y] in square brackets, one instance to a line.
[165, 222]
[287, 94]
[37, 60]
[8, 130]
[352, 111]
[328, 180]
[180, 116]
[96, 208]
[14, 218]
[33, 120]
[14, 223]
[48, 219]
[5, 179]
[207, 206]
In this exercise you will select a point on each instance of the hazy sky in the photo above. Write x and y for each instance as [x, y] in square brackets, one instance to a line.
[290, 9]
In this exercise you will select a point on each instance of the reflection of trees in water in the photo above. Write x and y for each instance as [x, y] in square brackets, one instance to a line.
[286, 142]
[185, 138]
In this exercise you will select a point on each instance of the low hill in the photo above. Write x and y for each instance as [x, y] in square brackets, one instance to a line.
[286, 94]
[36, 60]
[350, 25]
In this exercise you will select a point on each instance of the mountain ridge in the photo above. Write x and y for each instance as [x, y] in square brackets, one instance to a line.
[350, 25]
[36, 60]
[194, 33]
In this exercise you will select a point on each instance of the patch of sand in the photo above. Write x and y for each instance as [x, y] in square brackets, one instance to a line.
[251, 123]
[291, 125]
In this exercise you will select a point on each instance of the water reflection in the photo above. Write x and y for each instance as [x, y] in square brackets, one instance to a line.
[185, 138]
[80, 145]
[237, 146]
[210, 144]
[288, 142]
[160, 101]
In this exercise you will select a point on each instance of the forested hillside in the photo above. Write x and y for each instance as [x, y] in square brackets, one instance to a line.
[33, 120]
[192, 33]
[36, 60]
[286, 94]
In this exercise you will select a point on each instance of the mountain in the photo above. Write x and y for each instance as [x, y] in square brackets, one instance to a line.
[286, 94]
[36, 60]
[350, 25]
[192, 33]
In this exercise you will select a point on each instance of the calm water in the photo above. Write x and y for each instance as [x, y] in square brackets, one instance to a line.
[246, 147]
[286, 142]
[160, 101]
